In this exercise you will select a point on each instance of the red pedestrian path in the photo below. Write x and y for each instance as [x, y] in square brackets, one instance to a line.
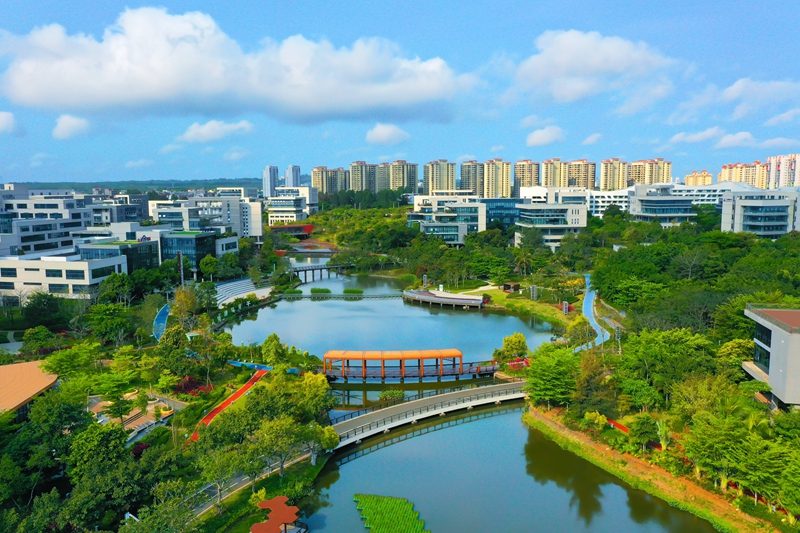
[227, 403]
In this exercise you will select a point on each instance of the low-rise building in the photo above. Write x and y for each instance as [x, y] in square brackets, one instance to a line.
[767, 213]
[554, 220]
[20, 383]
[449, 216]
[650, 203]
[776, 360]
[69, 276]
[292, 204]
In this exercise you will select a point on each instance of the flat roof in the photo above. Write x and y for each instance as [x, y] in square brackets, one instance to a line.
[789, 317]
[390, 355]
[20, 382]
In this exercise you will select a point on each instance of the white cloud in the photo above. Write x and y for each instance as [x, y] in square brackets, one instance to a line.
[732, 140]
[498, 148]
[572, 65]
[779, 142]
[39, 159]
[546, 135]
[7, 123]
[170, 148]
[700, 136]
[235, 154]
[591, 139]
[138, 164]
[150, 59]
[783, 118]
[387, 134]
[213, 130]
[752, 95]
[534, 121]
[68, 126]
[465, 157]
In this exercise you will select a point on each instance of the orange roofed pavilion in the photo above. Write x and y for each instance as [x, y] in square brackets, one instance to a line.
[349, 356]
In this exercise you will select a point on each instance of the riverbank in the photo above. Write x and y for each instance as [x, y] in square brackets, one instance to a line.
[503, 301]
[641, 475]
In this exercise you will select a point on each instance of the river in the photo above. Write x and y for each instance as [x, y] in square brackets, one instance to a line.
[473, 471]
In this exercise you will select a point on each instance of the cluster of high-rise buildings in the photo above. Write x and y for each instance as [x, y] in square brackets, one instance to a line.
[777, 172]
[363, 176]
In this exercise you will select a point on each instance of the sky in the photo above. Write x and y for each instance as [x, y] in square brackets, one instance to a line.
[113, 90]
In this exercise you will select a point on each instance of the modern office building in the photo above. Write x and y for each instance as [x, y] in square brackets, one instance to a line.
[363, 176]
[776, 360]
[139, 254]
[555, 173]
[650, 203]
[292, 176]
[269, 180]
[438, 176]
[554, 220]
[650, 171]
[596, 201]
[696, 179]
[472, 177]
[613, 174]
[403, 174]
[784, 171]
[450, 215]
[582, 173]
[193, 245]
[768, 214]
[292, 204]
[65, 274]
[756, 174]
[711, 194]
[224, 214]
[496, 179]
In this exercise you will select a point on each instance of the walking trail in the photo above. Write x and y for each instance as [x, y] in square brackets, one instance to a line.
[227, 403]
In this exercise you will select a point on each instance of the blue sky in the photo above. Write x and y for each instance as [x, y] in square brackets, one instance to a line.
[185, 90]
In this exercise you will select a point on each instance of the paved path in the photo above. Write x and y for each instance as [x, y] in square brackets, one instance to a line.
[227, 403]
[601, 335]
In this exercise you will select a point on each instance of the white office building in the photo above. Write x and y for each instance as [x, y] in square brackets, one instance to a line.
[767, 213]
[449, 215]
[292, 177]
[554, 220]
[269, 180]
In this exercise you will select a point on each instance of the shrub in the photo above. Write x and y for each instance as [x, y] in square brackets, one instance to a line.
[293, 291]
[354, 291]
[595, 420]
[320, 290]
[391, 394]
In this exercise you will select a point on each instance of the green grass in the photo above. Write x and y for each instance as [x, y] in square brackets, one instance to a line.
[386, 514]
[523, 305]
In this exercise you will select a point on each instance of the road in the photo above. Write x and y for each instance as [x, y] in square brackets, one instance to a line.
[601, 335]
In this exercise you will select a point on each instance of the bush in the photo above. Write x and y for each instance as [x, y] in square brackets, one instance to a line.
[354, 291]
[391, 394]
[298, 489]
[320, 290]
[293, 291]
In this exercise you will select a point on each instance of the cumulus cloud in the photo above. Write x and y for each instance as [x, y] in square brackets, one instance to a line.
[784, 118]
[591, 139]
[533, 121]
[779, 142]
[213, 130]
[750, 95]
[170, 148]
[38, 160]
[546, 135]
[7, 123]
[387, 134]
[138, 164]
[235, 154]
[572, 65]
[68, 126]
[153, 60]
[732, 140]
[700, 136]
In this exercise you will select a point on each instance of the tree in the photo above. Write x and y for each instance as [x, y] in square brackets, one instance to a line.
[732, 354]
[107, 321]
[42, 309]
[206, 295]
[37, 340]
[314, 438]
[580, 332]
[67, 363]
[209, 265]
[184, 306]
[789, 496]
[700, 392]
[664, 434]
[117, 406]
[97, 446]
[551, 375]
[253, 463]
[273, 351]
[531, 239]
[709, 446]
[279, 438]
[592, 390]
[117, 288]
[642, 430]
[514, 346]
[218, 468]
[313, 396]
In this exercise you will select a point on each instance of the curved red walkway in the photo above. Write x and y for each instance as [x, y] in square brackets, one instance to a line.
[232, 398]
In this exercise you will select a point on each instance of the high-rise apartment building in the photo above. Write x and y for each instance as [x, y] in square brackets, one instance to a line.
[756, 174]
[269, 180]
[318, 178]
[784, 171]
[363, 176]
[582, 173]
[292, 176]
[402, 174]
[383, 177]
[497, 179]
[613, 174]
[526, 174]
[438, 176]
[555, 173]
[698, 178]
[472, 177]
[651, 171]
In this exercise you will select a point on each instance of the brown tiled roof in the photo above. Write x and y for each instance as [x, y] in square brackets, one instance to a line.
[20, 382]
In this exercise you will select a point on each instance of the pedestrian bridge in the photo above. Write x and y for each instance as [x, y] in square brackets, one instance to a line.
[381, 421]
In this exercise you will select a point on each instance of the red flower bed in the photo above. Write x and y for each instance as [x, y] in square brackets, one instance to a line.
[191, 386]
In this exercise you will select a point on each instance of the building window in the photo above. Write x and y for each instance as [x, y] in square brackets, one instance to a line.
[32, 283]
[53, 273]
[763, 335]
[7, 285]
[31, 270]
[76, 274]
[102, 272]
[58, 288]
[8, 272]
[761, 358]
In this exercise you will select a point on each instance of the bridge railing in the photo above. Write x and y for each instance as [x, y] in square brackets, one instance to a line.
[410, 414]
[406, 399]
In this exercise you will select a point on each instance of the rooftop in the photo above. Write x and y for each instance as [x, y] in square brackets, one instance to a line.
[788, 317]
[394, 355]
[20, 382]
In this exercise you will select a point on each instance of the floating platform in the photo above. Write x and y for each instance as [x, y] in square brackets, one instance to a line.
[442, 298]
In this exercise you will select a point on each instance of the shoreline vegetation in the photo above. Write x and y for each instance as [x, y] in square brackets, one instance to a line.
[639, 474]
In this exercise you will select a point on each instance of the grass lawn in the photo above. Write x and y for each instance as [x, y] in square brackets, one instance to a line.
[240, 514]
[549, 312]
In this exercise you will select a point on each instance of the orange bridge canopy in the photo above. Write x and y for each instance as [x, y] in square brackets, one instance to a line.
[346, 357]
